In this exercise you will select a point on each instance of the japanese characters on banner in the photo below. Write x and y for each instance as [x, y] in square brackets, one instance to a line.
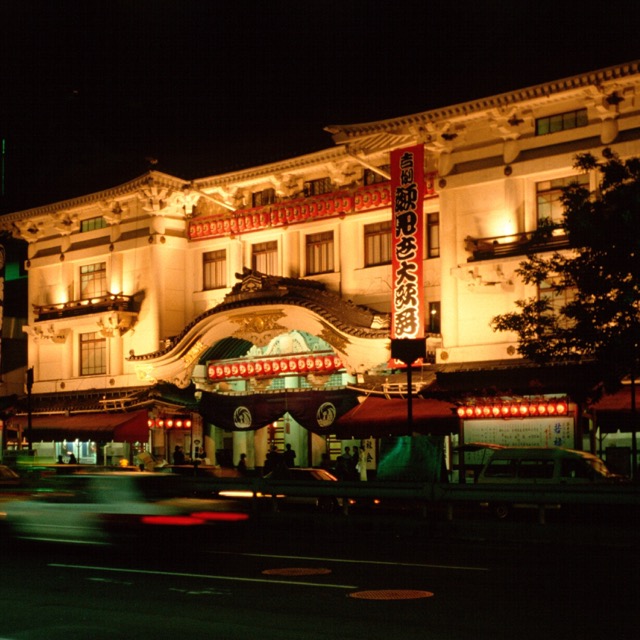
[407, 195]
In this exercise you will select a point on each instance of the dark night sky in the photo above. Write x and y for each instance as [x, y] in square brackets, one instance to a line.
[89, 90]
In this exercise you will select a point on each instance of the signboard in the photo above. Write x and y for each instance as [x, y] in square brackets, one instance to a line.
[407, 195]
[557, 431]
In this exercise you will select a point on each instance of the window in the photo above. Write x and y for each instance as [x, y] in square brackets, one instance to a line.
[263, 198]
[561, 122]
[549, 192]
[317, 187]
[93, 354]
[373, 177]
[92, 224]
[214, 269]
[264, 258]
[93, 280]
[377, 243]
[320, 253]
[433, 235]
[434, 317]
[557, 298]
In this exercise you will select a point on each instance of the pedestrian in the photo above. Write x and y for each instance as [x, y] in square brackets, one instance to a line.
[242, 464]
[60, 460]
[289, 457]
[178, 455]
[361, 467]
[72, 459]
[353, 467]
[325, 462]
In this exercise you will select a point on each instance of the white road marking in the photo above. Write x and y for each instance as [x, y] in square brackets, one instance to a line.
[200, 576]
[450, 567]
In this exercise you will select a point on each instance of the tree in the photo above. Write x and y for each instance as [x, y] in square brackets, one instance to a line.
[600, 267]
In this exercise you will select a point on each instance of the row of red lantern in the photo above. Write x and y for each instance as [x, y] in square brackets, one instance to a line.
[274, 215]
[522, 409]
[275, 366]
[169, 423]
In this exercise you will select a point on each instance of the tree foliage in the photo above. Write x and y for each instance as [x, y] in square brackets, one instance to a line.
[600, 266]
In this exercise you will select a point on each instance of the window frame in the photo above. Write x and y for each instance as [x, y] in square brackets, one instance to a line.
[553, 193]
[319, 251]
[317, 187]
[93, 354]
[433, 234]
[91, 275]
[373, 240]
[269, 252]
[214, 269]
[565, 121]
[93, 224]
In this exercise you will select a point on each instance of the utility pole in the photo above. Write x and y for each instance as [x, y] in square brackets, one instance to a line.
[29, 387]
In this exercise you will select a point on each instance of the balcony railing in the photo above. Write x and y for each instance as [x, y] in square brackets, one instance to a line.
[513, 245]
[100, 304]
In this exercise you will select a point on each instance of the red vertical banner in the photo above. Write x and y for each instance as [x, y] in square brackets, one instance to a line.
[407, 196]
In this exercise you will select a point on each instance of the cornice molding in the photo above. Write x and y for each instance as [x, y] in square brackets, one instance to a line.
[541, 92]
[157, 178]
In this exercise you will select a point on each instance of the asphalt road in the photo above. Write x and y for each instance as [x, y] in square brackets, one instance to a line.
[304, 578]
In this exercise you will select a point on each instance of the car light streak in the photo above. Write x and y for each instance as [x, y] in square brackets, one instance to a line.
[221, 516]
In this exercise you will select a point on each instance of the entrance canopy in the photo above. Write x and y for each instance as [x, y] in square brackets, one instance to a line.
[378, 417]
[315, 410]
[99, 427]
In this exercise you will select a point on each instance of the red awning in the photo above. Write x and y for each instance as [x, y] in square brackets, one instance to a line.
[102, 427]
[378, 417]
[613, 411]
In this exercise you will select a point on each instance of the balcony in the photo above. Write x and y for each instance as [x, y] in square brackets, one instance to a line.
[514, 245]
[110, 302]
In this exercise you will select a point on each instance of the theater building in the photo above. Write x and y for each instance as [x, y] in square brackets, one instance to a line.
[255, 308]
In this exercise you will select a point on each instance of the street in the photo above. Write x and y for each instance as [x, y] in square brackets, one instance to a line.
[289, 581]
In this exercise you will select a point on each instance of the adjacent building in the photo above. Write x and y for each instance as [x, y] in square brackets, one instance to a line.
[253, 309]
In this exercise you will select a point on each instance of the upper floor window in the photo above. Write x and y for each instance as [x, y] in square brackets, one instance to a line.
[561, 122]
[557, 297]
[319, 253]
[317, 187]
[377, 243]
[549, 193]
[93, 354]
[91, 224]
[433, 235]
[263, 198]
[264, 258]
[373, 177]
[93, 280]
[434, 317]
[214, 269]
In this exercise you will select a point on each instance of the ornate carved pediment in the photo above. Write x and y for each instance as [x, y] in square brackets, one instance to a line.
[259, 329]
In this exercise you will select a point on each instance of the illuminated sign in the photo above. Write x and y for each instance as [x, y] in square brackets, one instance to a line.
[407, 195]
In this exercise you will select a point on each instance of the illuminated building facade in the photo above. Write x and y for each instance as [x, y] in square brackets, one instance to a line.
[257, 304]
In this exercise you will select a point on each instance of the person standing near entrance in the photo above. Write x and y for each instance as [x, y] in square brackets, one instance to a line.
[361, 467]
[289, 456]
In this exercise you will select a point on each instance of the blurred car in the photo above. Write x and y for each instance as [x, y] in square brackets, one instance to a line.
[303, 478]
[8, 477]
[109, 508]
[287, 487]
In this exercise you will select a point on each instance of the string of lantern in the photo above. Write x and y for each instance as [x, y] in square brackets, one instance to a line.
[515, 409]
[315, 363]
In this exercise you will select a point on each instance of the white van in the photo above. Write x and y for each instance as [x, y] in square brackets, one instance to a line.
[548, 465]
